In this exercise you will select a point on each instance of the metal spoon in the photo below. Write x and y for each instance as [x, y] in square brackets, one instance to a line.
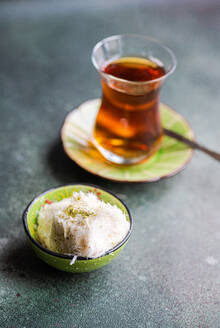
[82, 137]
[192, 144]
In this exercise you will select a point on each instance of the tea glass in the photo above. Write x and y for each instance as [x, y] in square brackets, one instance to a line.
[128, 127]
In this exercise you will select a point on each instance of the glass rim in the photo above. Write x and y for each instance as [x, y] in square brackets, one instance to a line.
[141, 36]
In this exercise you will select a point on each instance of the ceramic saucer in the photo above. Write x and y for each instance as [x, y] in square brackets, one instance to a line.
[170, 159]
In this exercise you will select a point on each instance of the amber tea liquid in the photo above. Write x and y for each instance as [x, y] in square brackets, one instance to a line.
[128, 123]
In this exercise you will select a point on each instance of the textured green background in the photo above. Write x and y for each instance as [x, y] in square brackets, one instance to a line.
[169, 273]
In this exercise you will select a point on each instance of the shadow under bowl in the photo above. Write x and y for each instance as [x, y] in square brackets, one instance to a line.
[62, 261]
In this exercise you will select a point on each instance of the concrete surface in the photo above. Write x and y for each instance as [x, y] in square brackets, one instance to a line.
[169, 273]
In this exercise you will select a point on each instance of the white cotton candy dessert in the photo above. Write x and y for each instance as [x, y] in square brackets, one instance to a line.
[81, 225]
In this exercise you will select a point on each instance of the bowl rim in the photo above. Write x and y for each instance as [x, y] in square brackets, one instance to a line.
[68, 256]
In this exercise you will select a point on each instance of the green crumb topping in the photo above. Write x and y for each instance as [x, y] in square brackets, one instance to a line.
[71, 211]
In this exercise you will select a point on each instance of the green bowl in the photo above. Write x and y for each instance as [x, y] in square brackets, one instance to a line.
[62, 261]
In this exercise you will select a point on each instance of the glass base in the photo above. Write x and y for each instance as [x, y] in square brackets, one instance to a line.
[117, 159]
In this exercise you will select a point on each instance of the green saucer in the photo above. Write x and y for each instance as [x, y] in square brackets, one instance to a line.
[170, 159]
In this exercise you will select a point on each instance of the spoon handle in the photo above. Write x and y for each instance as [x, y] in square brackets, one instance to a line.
[191, 143]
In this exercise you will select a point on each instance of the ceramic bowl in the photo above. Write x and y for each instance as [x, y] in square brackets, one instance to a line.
[62, 261]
